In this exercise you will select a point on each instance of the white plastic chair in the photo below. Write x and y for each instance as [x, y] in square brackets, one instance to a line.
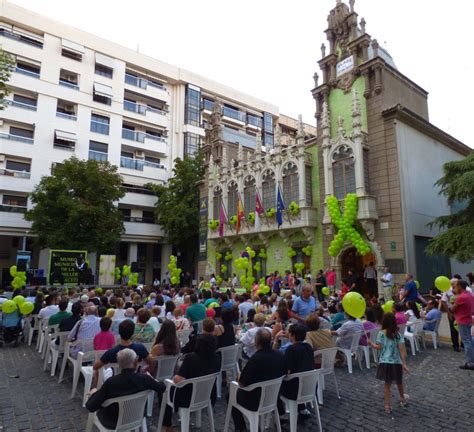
[306, 393]
[267, 404]
[88, 371]
[53, 350]
[229, 363]
[165, 367]
[131, 416]
[31, 325]
[200, 399]
[39, 339]
[328, 357]
[372, 335]
[415, 335]
[354, 349]
[183, 336]
[433, 333]
[48, 331]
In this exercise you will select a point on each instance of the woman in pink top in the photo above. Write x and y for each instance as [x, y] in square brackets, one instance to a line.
[331, 279]
[105, 339]
[370, 323]
[399, 311]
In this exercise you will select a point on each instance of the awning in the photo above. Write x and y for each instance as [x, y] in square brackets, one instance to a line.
[102, 90]
[104, 60]
[65, 136]
[27, 60]
[72, 46]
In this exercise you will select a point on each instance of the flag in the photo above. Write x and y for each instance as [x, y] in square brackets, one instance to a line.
[222, 219]
[258, 209]
[280, 207]
[240, 213]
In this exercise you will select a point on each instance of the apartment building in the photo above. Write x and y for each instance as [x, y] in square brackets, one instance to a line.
[76, 94]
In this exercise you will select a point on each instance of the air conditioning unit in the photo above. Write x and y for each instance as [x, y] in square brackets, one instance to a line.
[140, 155]
[69, 109]
[71, 78]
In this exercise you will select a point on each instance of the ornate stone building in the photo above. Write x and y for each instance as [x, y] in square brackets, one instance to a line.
[376, 141]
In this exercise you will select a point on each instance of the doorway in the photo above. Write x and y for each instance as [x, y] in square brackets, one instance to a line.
[352, 260]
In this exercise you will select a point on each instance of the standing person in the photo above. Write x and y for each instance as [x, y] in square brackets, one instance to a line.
[352, 281]
[448, 300]
[463, 309]
[392, 361]
[370, 276]
[235, 281]
[411, 291]
[387, 283]
[331, 279]
[304, 305]
[290, 280]
[276, 287]
[320, 284]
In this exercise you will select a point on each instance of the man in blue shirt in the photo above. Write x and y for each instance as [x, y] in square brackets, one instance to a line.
[411, 292]
[432, 316]
[304, 305]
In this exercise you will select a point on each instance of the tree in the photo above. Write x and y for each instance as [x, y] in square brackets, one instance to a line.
[457, 185]
[177, 207]
[6, 66]
[75, 207]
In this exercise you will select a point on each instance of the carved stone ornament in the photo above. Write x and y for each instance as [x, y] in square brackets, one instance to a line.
[345, 82]
[339, 25]
[369, 228]
[278, 255]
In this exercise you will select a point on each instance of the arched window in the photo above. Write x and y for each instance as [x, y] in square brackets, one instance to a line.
[290, 184]
[343, 171]
[232, 193]
[249, 195]
[268, 190]
[216, 202]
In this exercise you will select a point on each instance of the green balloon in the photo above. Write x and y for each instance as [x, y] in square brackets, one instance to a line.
[325, 291]
[354, 304]
[388, 306]
[26, 308]
[19, 300]
[442, 283]
[9, 306]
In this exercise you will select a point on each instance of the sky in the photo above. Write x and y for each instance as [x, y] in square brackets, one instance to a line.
[270, 48]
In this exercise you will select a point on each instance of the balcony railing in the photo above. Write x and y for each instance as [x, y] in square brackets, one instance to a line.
[14, 173]
[139, 219]
[66, 116]
[138, 164]
[30, 107]
[139, 136]
[142, 82]
[254, 121]
[64, 147]
[27, 72]
[207, 105]
[141, 109]
[17, 138]
[234, 136]
[21, 38]
[234, 114]
[98, 156]
[12, 209]
[69, 84]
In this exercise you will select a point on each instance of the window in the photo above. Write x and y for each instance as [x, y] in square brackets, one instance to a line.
[343, 172]
[216, 202]
[207, 104]
[64, 140]
[192, 143]
[152, 160]
[267, 130]
[21, 35]
[21, 132]
[148, 216]
[100, 124]
[27, 68]
[102, 99]
[69, 79]
[192, 114]
[254, 120]
[14, 201]
[308, 186]
[102, 94]
[269, 190]
[232, 195]
[290, 184]
[268, 140]
[126, 213]
[24, 100]
[249, 195]
[98, 151]
[18, 166]
[71, 54]
[104, 71]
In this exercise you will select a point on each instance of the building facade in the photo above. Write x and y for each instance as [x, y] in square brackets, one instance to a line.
[376, 141]
[77, 94]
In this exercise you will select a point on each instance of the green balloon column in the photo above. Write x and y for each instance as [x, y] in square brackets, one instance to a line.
[345, 225]
[175, 271]
[19, 277]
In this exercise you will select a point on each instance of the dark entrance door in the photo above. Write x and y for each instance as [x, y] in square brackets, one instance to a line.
[352, 260]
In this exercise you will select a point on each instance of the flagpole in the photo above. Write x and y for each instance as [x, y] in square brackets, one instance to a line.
[283, 198]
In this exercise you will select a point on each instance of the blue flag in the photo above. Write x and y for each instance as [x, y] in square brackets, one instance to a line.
[280, 207]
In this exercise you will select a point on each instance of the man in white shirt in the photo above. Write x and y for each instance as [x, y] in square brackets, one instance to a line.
[51, 307]
[387, 283]
[248, 339]
[245, 306]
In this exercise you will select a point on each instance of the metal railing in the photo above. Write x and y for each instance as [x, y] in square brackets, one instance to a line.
[142, 82]
[66, 116]
[140, 108]
[14, 103]
[254, 121]
[138, 219]
[64, 146]
[139, 136]
[98, 156]
[12, 209]
[233, 136]
[20, 38]
[14, 173]
[27, 72]
[138, 164]
[234, 114]
[68, 84]
[17, 138]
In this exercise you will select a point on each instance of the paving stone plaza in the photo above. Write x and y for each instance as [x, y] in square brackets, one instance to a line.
[440, 398]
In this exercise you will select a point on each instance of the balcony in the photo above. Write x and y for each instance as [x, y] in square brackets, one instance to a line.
[17, 138]
[139, 219]
[153, 115]
[13, 173]
[233, 136]
[24, 38]
[12, 209]
[253, 121]
[22, 105]
[234, 115]
[207, 105]
[149, 87]
[66, 116]
[142, 231]
[306, 221]
[98, 156]
[132, 198]
[68, 84]
[146, 141]
[30, 73]
[138, 164]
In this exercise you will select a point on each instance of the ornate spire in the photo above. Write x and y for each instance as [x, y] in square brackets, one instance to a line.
[245, 158]
[326, 126]
[224, 157]
[362, 25]
[258, 145]
[240, 154]
[340, 130]
[300, 134]
[277, 136]
[356, 114]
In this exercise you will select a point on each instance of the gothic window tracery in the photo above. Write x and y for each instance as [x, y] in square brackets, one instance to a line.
[232, 194]
[216, 202]
[249, 195]
[268, 190]
[290, 183]
[343, 171]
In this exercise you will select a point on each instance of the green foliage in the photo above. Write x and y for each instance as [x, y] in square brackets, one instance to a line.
[177, 208]
[75, 207]
[457, 237]
[6, 67]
